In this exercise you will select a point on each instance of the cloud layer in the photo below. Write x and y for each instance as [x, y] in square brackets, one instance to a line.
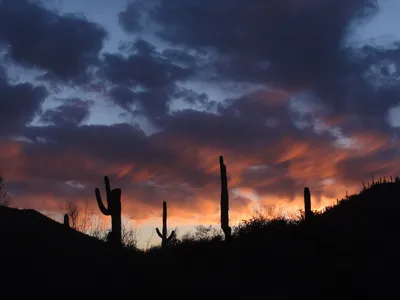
[274, 86]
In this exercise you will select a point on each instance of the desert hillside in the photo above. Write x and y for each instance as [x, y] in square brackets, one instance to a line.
[348, 251]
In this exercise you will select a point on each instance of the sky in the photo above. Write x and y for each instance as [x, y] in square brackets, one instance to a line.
[150, 92]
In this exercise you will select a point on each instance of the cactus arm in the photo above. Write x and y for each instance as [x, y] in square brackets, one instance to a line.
[107, 185]
[159, 233]
[102, 208]
[171, 236]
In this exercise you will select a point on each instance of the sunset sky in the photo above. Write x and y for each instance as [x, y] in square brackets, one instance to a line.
[293, 93]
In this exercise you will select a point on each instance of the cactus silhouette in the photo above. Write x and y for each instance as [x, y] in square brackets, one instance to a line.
[164, 235]
[224, 201]
[113, 209]
[307, 204]
[66, 220]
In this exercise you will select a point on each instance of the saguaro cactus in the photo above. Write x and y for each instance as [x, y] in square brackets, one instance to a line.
[307, 204]
[113, 209]
[164, 235]
[224, 201]
[66, 220]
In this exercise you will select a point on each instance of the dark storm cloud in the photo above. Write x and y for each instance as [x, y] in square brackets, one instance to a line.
[215, 131]
[145, 68]
[180, 56]
[191, 97]
[119, 143]
[145, 77]
[140, 47]
[122, 96]
[151, 102]
[132, 18]
[41, 187]
[289, 41]
[259, 105]
[241, 125]
[63, 45]
[19, 104]
[364, 89]
[71, 113]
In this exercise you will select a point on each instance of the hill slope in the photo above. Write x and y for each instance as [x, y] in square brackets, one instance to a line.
[348, 252]
[36, 250]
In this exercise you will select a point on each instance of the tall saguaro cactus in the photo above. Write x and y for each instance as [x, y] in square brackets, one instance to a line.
[224, 201]
[307, 204]
[66, 220]
[113, 209]
[164, 235]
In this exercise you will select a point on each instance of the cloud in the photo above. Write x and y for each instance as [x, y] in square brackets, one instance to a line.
[132, 18]
[145, 78]
[144, 68]
[180, 163]
[297, 46]
[19, 104]
[64, 46]
[183, 170]
[289, 42]
[365, 90]
[71, 113]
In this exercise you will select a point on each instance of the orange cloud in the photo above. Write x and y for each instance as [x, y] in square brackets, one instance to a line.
[274, 174]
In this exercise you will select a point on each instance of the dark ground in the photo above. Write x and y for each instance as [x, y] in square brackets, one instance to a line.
[349, 252]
